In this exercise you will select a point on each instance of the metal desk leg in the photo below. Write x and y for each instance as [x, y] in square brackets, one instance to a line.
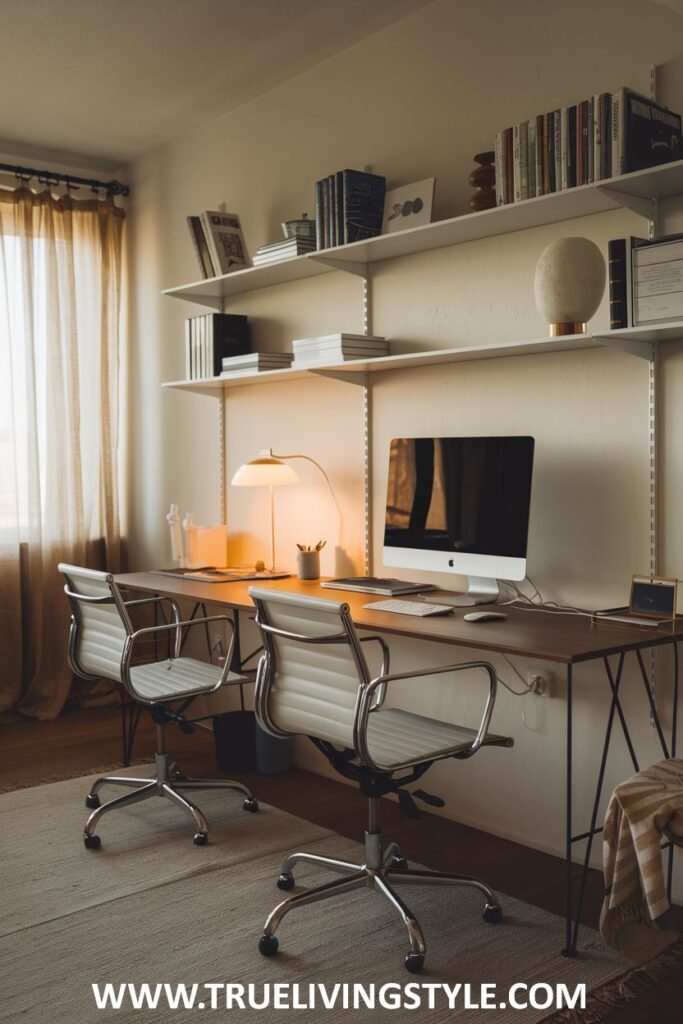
[674, 728]
[569, 950]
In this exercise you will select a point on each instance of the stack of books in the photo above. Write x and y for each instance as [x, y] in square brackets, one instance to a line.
[209, 338]
[601, 137]
[337, 348]
[349, 206]
[645, 281]
[255, 362]
[283, 250]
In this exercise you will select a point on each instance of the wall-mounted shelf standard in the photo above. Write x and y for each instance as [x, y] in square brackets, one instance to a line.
[635, 191]
[635, 341]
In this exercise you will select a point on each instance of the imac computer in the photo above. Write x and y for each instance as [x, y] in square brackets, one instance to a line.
[460, 505]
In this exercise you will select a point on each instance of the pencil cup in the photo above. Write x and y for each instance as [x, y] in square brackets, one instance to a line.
[308, 565]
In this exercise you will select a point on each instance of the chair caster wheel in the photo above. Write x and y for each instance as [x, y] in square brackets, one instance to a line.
[285, 881]
[251, 805]
[415, 962]
[92, 800]
[92, 842]
[200, 839]
[398, 864]
[268, 945]
[492, 914]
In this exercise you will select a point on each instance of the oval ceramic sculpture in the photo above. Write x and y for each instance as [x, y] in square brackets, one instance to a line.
[569, 284]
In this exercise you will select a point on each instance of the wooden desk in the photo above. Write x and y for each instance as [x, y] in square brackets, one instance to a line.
[565, 640]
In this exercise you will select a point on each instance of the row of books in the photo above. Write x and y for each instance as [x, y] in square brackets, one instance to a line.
[604, 136]
[285, 249]
[308, 352]
[349, 206]
[218, 243]
[210, 338]
[645, 281]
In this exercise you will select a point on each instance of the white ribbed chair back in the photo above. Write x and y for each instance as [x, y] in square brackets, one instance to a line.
[102, 627]
[304, 687]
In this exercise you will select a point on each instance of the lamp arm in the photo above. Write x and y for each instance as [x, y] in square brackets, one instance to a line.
[307, 458]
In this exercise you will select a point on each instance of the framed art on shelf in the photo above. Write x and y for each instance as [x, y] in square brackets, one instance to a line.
[408, 206]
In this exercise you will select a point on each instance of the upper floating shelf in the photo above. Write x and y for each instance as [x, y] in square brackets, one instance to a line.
[630, 190]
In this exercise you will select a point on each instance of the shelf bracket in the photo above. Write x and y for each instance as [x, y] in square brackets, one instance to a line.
[349, 266]
[632, 346]
[359, 379]
[638, 204]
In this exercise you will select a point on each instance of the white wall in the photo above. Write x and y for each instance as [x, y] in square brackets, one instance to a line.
[416, 100]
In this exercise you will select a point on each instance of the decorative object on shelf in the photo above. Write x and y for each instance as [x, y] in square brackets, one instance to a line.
[266, 471]
[209, 339]
[302, 228]
[337, 348]
[348, 207]
[483, 178]
[408, 206]
[225, 241]
[569, 283]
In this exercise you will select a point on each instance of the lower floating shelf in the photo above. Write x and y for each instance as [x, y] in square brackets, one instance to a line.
[634, 340]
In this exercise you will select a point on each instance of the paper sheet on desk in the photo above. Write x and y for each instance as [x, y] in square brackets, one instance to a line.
[223, 575]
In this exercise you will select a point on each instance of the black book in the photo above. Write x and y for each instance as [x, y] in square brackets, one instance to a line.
[212, 337]
[620, 276]
[319, 215]
[571, 147]
[652, 135]
[363, 204]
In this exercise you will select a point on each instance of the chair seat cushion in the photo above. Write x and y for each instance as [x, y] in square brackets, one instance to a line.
[162, 680]
[395, 736]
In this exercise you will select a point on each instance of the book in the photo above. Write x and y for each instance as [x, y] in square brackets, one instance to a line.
[337, 339]
[256, 359]
[225, 241]
[363, 204]
[211, 337]
[376, 585]
[201, 247]
[620, 278]
[644, 133]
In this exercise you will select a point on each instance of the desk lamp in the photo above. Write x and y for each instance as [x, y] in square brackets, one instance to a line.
[266, 471]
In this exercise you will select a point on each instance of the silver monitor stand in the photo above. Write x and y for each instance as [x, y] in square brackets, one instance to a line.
[480, 590]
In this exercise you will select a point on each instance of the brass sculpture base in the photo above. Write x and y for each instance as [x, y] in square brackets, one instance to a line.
[567, 328]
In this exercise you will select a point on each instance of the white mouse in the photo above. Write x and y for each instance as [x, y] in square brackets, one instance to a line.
[484, 616]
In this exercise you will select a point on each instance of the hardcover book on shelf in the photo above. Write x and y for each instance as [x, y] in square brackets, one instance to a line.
[657, 269]
[225, 241]
[285, 249]
[620, 281]
[211, 337]
[349, 207]
[644, 133]
[255, 362]
[201, 247]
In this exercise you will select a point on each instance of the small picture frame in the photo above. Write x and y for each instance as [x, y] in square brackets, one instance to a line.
[408, 206]
[653, 597]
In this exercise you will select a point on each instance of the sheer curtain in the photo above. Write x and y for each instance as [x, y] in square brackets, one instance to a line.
[60, 350]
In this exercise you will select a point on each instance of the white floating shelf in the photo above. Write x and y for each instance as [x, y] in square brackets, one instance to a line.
[635, 339]
[631, 190]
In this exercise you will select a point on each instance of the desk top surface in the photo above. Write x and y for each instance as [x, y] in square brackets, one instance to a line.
[534, 634]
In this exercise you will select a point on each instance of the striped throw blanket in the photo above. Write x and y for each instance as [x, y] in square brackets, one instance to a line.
[636, 916]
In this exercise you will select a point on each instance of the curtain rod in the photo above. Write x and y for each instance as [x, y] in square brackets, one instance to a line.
[114, 188]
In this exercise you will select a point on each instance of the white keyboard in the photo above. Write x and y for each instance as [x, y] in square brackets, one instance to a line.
[420, 608]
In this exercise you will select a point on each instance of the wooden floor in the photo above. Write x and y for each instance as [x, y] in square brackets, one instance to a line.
[81, 740]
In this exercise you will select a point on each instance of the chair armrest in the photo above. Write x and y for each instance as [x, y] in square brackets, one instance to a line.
[384, 667]
[179, 625]
[365, 706]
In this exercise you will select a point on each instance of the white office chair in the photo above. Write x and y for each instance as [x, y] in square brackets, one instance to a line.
[101, 645]
[313, 679]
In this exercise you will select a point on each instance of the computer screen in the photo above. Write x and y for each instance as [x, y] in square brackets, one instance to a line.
[459, 504]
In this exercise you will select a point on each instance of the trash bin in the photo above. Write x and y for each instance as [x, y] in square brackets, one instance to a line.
[234, 735]
[273, 754]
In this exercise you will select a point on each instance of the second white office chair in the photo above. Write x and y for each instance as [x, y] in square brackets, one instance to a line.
[101, 645]
[313, 679]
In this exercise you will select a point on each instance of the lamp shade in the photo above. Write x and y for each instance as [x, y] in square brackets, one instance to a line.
[265, 471]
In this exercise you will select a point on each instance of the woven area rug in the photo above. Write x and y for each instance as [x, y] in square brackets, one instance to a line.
[151, 907]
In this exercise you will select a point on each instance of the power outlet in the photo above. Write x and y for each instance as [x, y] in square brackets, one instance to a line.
[540, 682]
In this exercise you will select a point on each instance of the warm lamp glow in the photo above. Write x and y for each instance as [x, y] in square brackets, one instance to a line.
[264, 472]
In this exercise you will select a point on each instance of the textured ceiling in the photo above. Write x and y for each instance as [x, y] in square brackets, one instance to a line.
[106, 80]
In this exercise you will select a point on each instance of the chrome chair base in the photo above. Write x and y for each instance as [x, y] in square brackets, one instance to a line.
[168, 781]
[383, 869]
